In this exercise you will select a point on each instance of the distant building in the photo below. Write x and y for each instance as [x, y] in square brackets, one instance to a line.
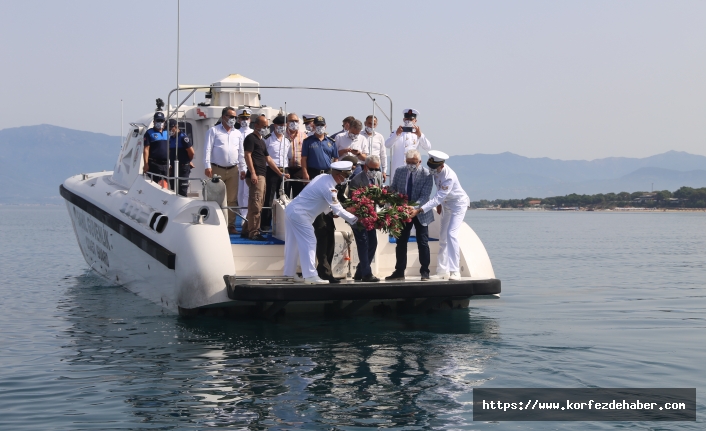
[534, 203]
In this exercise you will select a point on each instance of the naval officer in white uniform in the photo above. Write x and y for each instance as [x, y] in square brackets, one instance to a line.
[299, 238]
[451, 202]
[402, 141]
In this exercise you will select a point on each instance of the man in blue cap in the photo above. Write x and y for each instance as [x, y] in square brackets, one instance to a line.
[156, 148]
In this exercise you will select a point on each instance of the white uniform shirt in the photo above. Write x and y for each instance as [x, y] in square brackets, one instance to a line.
[280, 150]
[317, 197]
[224, 148]
[343, 141]
[448, 190]
[378, 148]
[401, 144]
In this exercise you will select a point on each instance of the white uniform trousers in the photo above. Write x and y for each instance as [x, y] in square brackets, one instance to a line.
[452, 214]
[243, 197]
[299, 244]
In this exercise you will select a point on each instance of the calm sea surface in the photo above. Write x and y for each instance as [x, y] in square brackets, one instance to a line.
[589, 300]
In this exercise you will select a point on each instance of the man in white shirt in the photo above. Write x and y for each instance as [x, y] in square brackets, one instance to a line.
[224, 156]
[299, 239]
[451, 202]
[279, 147]
[375, 145]
[245, 130]
[405, 138]
[350, 142]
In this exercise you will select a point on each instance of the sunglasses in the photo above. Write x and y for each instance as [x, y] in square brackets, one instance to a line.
[374, 169]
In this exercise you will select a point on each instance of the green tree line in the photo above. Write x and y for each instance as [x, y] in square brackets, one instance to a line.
[685, 197]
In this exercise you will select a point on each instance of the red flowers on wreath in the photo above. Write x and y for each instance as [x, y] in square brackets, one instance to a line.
[394, 210]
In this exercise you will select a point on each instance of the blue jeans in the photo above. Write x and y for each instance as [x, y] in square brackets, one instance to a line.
[422, 246]
[367, 242]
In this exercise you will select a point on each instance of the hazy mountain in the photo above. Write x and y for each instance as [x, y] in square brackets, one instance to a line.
[508, 176]
[37, 159]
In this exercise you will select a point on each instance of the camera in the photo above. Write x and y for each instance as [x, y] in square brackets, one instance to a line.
[407, 129]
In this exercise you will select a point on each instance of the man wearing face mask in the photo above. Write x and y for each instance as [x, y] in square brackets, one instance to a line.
[184, 154]
[366, 240]
[257, 158]
[294, 156]
[300, 241]
[278, 146]
[308, 120]
[406, 137]
[346, 124]
[224, 156]
[416, 182]
[318, 152]
[350, 142]
[156, 148]
[375, 144]
[243, 126]
[451, 202]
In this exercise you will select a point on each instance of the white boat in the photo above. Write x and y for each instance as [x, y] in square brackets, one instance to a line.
[176, 251]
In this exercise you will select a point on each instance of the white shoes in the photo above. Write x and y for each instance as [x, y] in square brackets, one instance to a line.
[442, 276]
[454, 276]
[298, 279]
[315, 280]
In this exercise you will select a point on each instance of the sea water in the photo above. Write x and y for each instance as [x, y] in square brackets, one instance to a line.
[589, 300]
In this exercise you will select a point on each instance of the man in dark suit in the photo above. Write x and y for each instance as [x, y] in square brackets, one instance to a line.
[416, 182]
[366, 240]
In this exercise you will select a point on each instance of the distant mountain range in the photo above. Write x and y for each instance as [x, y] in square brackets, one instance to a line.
[509, 176]
[35, 160]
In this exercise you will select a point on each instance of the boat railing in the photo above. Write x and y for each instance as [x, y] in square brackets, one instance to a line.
[175, 111]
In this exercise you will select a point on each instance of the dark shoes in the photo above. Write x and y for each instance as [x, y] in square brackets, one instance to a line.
[370, 279]
[396, 276]
[333, 280]
[258, 237]
[425, 276]
[231, 230]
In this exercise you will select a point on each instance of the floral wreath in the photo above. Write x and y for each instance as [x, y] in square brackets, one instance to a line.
[395, 210]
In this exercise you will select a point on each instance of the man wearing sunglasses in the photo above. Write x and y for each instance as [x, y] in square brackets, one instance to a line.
[366, 241]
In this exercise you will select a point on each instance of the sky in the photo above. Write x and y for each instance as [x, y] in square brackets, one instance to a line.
[558, 79]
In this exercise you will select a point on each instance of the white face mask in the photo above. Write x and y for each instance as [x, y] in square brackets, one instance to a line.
[293, 126]
[172, 133]
[408, 123]
[368, 130]
[158, 124]
[244, 123]
[264, 131]
[320, 130]
[231, 122]
[412, 168]
[309, 127]
[353, 136]
[372, 174]
[279, 130]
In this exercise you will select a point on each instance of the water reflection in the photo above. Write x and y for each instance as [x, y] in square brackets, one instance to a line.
[156, 369]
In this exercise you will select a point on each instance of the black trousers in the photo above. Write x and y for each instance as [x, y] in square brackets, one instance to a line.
[272, 185]
[293, 188]
[422, 246]
[184, 172]
[158, 168]
[366, 242]
[325, 232]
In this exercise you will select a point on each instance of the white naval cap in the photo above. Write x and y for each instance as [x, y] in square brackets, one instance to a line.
[342, 166]
[244, 112]
[410, 113]
[438, 156]
[308, 117]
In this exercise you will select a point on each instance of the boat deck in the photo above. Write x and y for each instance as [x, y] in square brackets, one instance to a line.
[284, 289]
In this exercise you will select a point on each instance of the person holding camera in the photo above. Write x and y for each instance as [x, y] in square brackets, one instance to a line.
[405, 138]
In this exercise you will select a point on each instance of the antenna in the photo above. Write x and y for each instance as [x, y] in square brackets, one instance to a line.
[122, 135]
[176, 137]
